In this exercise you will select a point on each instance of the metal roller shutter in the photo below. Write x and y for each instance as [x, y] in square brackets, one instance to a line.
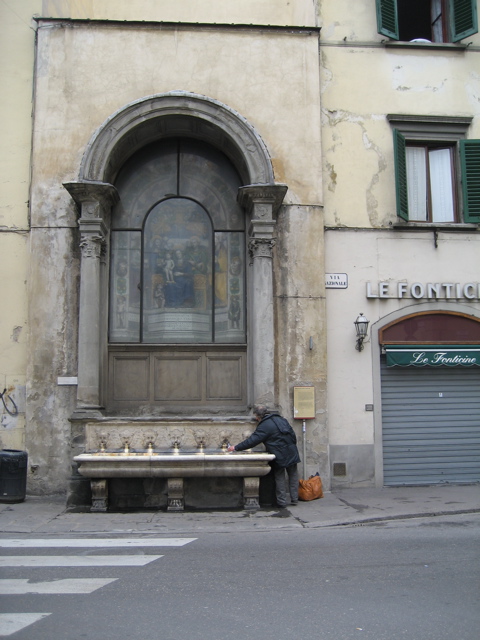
[430, 425]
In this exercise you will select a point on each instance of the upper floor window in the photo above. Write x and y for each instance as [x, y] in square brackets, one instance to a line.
[427, 20]
[437, 171]
[430, 182]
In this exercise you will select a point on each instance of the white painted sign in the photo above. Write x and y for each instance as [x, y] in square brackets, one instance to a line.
[336, 280]
[429, 290]
[64, 380]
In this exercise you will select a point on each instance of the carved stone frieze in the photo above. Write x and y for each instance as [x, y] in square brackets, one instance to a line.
[262, 200]
[112, 435]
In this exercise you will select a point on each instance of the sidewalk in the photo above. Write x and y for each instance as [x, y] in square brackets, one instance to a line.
[48, 515]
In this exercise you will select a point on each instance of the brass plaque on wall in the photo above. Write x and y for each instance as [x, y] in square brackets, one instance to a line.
[303, 403]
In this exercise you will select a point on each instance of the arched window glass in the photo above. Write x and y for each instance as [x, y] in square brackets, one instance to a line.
[177, 248]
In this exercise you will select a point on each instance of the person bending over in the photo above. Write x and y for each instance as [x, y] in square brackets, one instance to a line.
[280, 439]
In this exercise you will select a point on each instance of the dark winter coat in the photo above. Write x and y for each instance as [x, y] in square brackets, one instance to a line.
[279, 438]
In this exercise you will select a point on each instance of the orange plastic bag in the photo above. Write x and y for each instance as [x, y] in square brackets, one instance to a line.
[310, 489]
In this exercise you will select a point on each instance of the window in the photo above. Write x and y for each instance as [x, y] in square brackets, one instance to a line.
[437, 171]
[177, 320]
[178, 245]
[430, 183]
[427, 20]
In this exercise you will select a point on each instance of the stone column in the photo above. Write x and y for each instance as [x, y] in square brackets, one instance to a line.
[94, 200]
[262, 203]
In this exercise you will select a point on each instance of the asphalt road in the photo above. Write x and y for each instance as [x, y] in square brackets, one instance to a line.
[413, 579]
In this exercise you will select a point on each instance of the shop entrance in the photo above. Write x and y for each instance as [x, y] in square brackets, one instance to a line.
[430, 425]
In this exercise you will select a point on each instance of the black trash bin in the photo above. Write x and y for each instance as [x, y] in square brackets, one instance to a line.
[13, 475]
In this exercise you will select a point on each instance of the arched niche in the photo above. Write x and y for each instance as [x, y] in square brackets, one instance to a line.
[173, 115]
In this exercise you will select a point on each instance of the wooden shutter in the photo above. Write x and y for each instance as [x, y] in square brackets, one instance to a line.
[400, 174]
[387, 18]
[470, 159]
[463, 19]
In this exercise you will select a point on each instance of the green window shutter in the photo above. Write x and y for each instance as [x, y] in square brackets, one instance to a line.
[387, 21]
[470, 159]
[463, 19]
[400, 174]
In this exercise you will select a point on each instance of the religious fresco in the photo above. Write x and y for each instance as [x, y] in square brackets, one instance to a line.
[178, 248]
[124, 289]
[191, 288]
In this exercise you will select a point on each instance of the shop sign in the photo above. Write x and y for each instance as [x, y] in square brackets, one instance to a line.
[429, 290]
[433, 356]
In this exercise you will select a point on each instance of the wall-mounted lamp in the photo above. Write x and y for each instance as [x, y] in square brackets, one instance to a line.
[361, 327]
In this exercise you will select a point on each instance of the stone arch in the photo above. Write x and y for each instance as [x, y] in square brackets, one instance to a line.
[177, 113]
[153, 118]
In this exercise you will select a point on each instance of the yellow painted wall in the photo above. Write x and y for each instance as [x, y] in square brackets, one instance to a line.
[17, 43]
[363, 80]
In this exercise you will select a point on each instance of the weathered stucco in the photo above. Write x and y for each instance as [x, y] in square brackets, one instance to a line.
[16, 71]
[282, 106]
[280, 103]
[279, 12]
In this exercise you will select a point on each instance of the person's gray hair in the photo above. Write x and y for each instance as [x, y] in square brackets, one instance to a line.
[261, 410]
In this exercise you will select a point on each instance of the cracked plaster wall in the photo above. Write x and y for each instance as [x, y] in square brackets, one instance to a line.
[92, 64]
[300, 313]
[360, 86]
[362, 81]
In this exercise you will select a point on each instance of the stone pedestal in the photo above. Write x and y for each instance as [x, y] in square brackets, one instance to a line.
[99, 495]
[251, 488]
[176, 498]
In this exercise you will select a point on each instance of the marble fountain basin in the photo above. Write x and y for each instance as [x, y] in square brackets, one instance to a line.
[171, 464]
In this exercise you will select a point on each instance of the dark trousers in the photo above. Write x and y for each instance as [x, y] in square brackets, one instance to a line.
[281, 484]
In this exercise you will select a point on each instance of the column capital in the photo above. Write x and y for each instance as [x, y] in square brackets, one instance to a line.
[92, 245]
[261, 247]
[262, 201]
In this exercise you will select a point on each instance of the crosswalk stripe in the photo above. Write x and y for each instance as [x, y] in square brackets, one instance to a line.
[95, 542]
[77, 561]
[16, 587]
[13, 622]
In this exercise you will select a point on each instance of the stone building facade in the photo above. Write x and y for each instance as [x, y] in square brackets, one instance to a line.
[212, 196]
